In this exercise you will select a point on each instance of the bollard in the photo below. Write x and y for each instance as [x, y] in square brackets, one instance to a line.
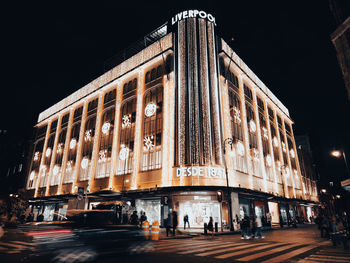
[145, 229]
[155, 231]
[205, 228]
[216, 227]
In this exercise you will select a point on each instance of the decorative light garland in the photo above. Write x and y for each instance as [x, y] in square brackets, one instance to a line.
[148, 143]
[268, 160]
[237, 115]
[126, 122]
[292, 153]
[265, 133]
[102, 156]
[240, 148]
[88, 135]
[55, 169]
[275, 141]
[32, 175]
[252, 126]
[60, 147]
[36, 156]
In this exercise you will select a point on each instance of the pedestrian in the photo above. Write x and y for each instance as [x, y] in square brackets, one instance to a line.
[252, 226]
[246, 227]
[134, 219]
[258, 223]
[143, 217]
[40, 218]
[281, 221]
[325, 227]
[186, 221]
[268, 219]
[175, 222]
[167, 225]
[211, 226]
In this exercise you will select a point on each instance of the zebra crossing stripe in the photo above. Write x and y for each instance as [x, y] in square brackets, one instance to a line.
[224, 250]
[262, 254]
[329, 258]
[284, 257]
[228, 255]
[164, 246]
[12, 245]
[190, 251]
[172, 248]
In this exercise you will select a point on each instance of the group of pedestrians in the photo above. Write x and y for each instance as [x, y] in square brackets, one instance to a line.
[251, 227]
[134, 219]
[333, 228]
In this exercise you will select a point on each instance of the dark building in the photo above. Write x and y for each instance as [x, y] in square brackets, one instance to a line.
[14, 155]
[341, 37]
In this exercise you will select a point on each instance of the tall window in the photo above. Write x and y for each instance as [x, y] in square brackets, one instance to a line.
[33, 176]
[73, 145]
[275, 145]
[238, 161]
[127, 137]
[265, 140]
[48, 155]
[56, 170]
[152, 129]
[106, 142]
[88, 140]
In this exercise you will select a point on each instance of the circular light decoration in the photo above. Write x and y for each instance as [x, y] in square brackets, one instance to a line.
[292, 153]
[124, 152]
[36, 156]
[275, 141]
[150, 109]
[48, 152]
[126, 122]
[268, 160]
[252, 126]
[55, 170]
[284, 147]
[69, 166]
[102, 156]
[105, 127]
[84, 162]
[148, 143]
[73, 143]
[88, 135]
[240, 148]
[31, 177]
[265, 133]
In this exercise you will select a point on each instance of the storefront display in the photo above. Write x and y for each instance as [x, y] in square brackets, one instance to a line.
[273, 209]
[151, 207]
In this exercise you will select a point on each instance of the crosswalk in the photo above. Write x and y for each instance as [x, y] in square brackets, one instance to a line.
[328, 254]
[239, 251]
[15, 247]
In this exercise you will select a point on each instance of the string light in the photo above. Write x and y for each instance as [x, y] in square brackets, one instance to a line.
[36, 156]
[148, 143]
[126, 122]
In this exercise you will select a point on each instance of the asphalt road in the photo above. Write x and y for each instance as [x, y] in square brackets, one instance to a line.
[44, 244]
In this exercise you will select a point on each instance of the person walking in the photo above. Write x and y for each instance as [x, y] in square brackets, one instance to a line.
[325, 227]
[175, 222]
[167, 225]
[134, 219]
[258, 223]
[186, 221]
[246, 227]
[211, 226]
[143, 217]
[268, 219]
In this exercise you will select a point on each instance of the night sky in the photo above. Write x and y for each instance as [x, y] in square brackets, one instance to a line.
[50, 49]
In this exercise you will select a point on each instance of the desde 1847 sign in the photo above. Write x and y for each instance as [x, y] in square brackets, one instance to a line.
[192, 13]
[208, 171]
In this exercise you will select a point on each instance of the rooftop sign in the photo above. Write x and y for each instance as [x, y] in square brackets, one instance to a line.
[192, 13]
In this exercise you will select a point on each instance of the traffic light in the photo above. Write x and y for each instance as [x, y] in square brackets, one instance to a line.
[219, 195]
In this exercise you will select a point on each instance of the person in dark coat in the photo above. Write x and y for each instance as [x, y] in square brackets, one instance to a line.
[211, 226]
[186, 221]
[134, 219]
[175, 222]
[167, 225]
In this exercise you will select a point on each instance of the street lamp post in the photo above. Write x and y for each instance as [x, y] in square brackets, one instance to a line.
[338, 154]
[229, 141]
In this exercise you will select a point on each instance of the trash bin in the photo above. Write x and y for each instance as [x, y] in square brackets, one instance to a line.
[216, 227]
[205, 228]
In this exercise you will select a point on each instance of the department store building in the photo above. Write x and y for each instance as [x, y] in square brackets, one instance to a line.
[165, 129]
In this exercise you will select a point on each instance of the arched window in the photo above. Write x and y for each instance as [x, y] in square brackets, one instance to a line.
[106, 142]
[152, 129]
[47, 155]
[153, 74]
[127, 137]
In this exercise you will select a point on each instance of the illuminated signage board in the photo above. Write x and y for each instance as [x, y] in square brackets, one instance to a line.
[192, 13]
[211, 172]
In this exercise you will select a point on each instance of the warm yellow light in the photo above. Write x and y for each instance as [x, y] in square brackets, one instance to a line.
[337, 196]
[336, 153]
[323, 190]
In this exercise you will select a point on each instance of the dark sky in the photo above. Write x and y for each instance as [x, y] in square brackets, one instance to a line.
[50, 49]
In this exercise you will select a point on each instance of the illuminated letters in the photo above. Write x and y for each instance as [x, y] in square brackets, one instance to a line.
[192, 13]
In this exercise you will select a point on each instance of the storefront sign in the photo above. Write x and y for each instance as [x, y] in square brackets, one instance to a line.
[214, 172]
[192, 13]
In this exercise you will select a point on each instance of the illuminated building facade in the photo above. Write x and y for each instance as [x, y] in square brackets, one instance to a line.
[150, 134]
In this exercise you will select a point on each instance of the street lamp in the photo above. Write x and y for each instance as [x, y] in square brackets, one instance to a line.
[229, 141]
[338, 154]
